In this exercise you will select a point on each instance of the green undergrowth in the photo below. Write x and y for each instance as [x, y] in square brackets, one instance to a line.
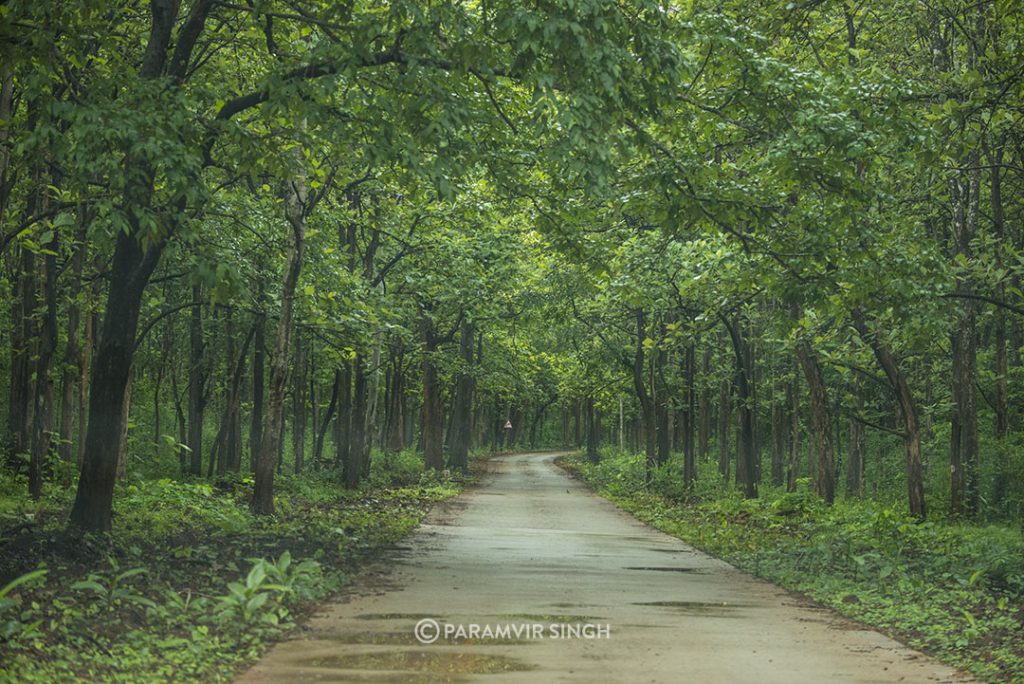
[190, 586]
[953, 590]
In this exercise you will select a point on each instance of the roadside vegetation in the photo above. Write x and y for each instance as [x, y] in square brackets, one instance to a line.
[191, 586]
[952, 589]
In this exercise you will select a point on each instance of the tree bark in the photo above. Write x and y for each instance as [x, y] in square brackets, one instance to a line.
[433, 415]
[724, 413]
[295, 213]
[650, 428]
[72, 352]
[325, 421]
[135, 257]
[299, 408]
[744, 403]
[462, 407]
[196, 383]
[42, 413]
[259, 347]
[821, 422]
[689, 455]
[908, 410]
[592, 432]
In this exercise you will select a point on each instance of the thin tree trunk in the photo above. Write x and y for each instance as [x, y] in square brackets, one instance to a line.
[258, 366]
[821, 422]
[724, 413]
[650, 428]
[299, 408]
[689, 415]
[592, 432]
[855, 457]
[462, 407]
[325, 421]
[42, 413]
[196, 383]
[343, 434]
[433, 415]
[73, 352]
[704, 419]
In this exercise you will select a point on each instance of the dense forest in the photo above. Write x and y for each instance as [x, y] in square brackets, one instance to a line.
[772, 247]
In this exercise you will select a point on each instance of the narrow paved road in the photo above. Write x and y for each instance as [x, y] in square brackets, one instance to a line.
[537, 564]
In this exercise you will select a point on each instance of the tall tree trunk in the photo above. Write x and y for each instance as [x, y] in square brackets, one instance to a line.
[704, 410]
[42, 413]
[325, 421]
[360, 448]
[964, 419]
[433, 415]
[196, 383]
[689, 414]
[780, 429]
[259, 347]
[299, 407]
[23, 340]
[661, 401]
[135, 257]
[724, 412]
[744, 403]
[855, 457]
[343, 427]
[295, 213]
[396, 438]
[908, 410]
[793, 459]
[122, 444]
[130, 271]
[593, 431]
[72, 352]
[1002, 395]
[821, 421]
[650, 428]
[462, 407]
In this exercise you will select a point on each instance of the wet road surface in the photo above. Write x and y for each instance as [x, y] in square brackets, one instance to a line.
[531, 578]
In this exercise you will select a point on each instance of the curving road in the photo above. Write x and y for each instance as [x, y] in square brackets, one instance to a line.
[531, 578]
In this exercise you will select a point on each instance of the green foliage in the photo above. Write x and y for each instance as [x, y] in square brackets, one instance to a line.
[260, 596]
[192, 586]
[954, 590]
[12, 625]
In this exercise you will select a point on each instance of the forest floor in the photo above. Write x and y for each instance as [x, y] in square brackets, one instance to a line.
[530, 577]
[190, 586]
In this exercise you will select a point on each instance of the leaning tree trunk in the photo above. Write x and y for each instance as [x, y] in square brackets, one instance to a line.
[135, 257]
[130, 271]
[908, 410]
[325, 421]
[294, 206]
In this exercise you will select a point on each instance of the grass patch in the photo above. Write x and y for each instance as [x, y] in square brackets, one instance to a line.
[191, 586]
[953, 590]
